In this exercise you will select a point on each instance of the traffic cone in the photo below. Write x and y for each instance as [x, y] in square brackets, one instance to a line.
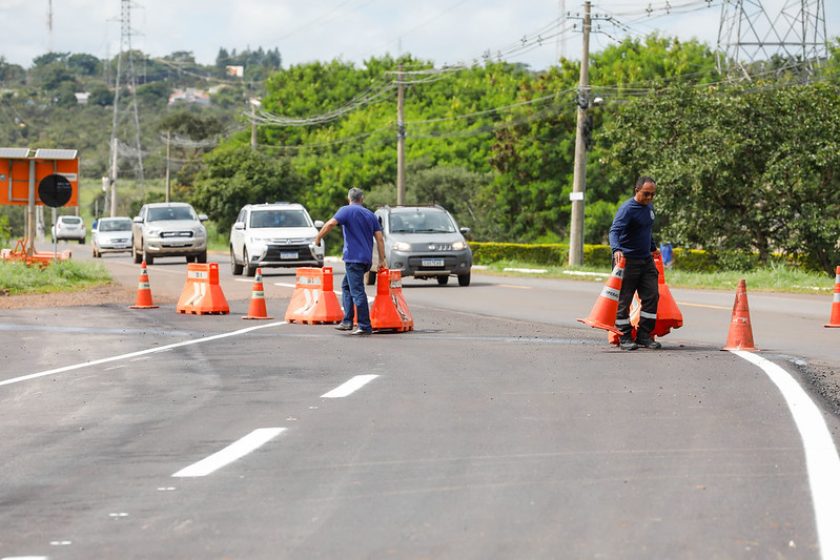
[257, 310]
[740, 328]
[668, 315]
[834, 321]
[603, 312]
[144, 291]
[390, 311]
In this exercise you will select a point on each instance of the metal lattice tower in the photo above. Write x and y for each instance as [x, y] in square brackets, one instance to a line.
[748, 34]
[119, 129]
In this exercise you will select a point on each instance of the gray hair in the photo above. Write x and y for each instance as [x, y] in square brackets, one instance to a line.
[356, 195]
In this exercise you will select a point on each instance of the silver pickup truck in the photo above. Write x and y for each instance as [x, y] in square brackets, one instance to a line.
[169, 229]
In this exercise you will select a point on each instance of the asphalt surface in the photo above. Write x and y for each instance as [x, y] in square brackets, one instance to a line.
[483, 435]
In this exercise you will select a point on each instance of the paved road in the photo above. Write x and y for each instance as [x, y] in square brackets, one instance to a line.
[486, 433]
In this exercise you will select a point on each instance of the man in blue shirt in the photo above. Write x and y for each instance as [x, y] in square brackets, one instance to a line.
[360, 227]
[631, 239]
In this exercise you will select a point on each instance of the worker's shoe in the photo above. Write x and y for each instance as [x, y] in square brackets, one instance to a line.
[361, 332]
[344, 327]
[627, 344]
[648, 343]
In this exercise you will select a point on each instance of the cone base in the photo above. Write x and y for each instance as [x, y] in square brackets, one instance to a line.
[741, 348]
[249, 318]
[832, 326]
[600, 325]
[144, 307]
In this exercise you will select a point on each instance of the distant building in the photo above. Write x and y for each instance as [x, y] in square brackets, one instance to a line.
[235, 71]
[190, 95]
[82, 97]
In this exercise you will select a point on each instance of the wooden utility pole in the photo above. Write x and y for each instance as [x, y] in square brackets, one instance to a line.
[400, 138]
[114, 154]
[579, 182]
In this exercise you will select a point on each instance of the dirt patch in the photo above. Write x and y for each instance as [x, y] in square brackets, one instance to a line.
[99, 295]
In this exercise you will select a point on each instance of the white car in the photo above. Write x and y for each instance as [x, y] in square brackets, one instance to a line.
[111, 235]
[69, 227]
[169, 229]
[274, 235]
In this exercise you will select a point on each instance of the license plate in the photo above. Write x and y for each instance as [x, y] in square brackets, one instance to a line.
[176, 244]
[285, 255]
[432, 262]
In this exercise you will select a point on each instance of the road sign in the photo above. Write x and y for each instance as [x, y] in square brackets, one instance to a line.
[55, 190]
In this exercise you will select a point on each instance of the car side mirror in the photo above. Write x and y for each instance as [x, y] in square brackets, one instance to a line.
[202, 217]
[319, 224]
[239, 225]
[137, 220]
[464, 230]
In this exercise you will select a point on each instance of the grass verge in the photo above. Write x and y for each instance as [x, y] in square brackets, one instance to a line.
[63, 276]
[774, 279]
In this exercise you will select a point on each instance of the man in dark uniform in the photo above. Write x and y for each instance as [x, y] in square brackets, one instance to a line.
[631, 238]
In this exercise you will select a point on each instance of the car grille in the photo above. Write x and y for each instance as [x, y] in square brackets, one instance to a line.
[176, 234]
[434, 246]
[273, 252]
[416, 263]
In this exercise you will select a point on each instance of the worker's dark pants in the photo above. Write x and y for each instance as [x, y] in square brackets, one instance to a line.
[640, 275]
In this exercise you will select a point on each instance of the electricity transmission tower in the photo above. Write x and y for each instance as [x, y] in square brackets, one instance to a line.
[122, 111]
[748, 34]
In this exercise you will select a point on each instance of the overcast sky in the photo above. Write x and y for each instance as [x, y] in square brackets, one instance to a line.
[445, 31]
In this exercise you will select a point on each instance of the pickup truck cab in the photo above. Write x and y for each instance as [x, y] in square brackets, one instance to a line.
[169, 229]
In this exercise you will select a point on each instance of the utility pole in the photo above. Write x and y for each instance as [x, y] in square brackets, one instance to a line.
[114, 157]
[400, 138]
[254, 103]
[579, 182]
[168, 139]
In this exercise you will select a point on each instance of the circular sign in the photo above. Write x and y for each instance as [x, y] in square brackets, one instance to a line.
[55, 190]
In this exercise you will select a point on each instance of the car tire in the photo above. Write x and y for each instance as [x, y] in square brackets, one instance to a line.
[190, 259]
[464, 279]
[442, 280]
[82, 241]
[147, 257]
[96, 254]
[201, 257]
[371, 279]
[249, 270]
[235, 267]
[138, 256]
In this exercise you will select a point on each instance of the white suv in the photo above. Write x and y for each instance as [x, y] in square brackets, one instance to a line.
[274, 235]
[169, 229]
[69, 227]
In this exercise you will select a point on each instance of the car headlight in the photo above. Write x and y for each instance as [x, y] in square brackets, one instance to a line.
[459, 245]
[401, 246]
[200, 232]
[153, 232]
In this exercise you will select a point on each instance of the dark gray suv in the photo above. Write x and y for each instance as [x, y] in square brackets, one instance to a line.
[424, 242]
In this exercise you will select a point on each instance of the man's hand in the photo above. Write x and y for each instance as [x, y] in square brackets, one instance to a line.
[617, 256]
[383, 264]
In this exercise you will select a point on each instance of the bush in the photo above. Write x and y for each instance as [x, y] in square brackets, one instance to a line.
[549, 254]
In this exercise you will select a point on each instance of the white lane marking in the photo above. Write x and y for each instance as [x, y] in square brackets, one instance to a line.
[514, 286]
[231, 453]
[24, 558]
[284, 284]
[820, 454]
[138, 353]
[349, 387]
[703, 306]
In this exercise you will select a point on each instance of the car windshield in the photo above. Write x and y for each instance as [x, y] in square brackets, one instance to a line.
[421, 221]
[71, 220]
[170, 213]
[278, 219]
[115, 225]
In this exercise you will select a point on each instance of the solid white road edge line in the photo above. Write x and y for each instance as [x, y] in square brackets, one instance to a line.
[231, 453]
[821, 457]
[138, 353]
[349, 387]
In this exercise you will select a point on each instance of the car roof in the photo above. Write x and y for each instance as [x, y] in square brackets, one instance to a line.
[114, 218]
[434, 207]
[274, 205]
[166, 204]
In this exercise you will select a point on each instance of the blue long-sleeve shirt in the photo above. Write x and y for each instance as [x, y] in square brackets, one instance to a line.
[632, 230]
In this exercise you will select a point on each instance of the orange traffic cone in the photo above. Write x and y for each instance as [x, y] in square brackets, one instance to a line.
[834, 321]
[603, 312]
[390, 311]
[257, 310]
[668, 315]
[740, 328]
[144, 291]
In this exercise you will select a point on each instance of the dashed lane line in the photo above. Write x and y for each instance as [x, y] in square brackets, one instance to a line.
[137, 354]
[349, 387]
[821, 459]
[231, 453]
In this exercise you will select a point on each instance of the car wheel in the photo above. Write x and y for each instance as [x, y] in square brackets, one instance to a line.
[190, 260]
[202, 257]
[147, 257]
[464, 279]
[82, 241]
[249, 270]
[96, 254]
[235, 267]
[138, 257]
[371, 279]
[443, 280]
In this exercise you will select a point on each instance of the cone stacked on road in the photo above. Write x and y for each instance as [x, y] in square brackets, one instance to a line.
[144, 291]
[257, 309]
[740, 328]
[202, 293]
[834, 321]
[603, 312]
[314, 301]
[390, 311]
